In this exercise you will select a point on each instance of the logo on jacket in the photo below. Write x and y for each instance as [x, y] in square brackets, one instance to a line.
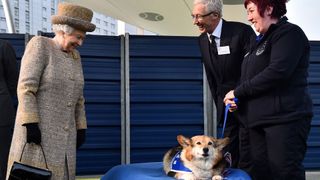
[261, 48]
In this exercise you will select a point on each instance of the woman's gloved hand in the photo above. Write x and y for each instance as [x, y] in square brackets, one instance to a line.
[81, 137]
[33, 133]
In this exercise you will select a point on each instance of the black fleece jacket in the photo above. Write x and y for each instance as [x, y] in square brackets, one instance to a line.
[273, 84]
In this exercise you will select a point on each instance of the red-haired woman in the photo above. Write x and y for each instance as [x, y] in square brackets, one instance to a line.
[273, 93]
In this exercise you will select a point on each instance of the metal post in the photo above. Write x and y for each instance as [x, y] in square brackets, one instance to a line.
[209, 109]
[8, 15]
[127, 88]
[125, 100]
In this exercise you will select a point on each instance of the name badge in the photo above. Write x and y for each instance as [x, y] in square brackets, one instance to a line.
[222, 50]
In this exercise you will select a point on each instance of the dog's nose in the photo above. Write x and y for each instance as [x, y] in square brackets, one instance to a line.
[205, 150]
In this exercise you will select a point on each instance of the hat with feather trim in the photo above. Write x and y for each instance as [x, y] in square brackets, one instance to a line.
[75, 16]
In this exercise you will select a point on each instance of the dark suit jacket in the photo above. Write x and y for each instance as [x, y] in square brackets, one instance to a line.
[223, 71]
[8, 83]
[274, 87]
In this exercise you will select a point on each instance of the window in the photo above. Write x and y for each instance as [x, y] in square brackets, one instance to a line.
[44, 19]
[97, 21]
[112, 33]
[98, 30]
[113, 26]
[16, 23]
[27, 5]
[16, 12]
[44, 29]
[52, 3]
[3, 19]
[106, 32]
[52, 11]
[27, 16]
[106, 23]
[44, 9]
[27, 27]
[3, 30]
[16, 3]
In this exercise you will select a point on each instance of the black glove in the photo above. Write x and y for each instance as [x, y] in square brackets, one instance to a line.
[33, 133]
[81, 137]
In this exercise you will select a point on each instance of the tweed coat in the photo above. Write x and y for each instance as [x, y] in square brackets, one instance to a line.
[50, 92]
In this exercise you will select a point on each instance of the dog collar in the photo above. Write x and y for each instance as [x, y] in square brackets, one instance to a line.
[177, 164]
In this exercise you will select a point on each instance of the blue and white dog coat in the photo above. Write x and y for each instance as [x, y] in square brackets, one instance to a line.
[177, 165]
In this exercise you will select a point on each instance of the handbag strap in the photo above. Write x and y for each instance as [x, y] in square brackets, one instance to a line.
[45, 160]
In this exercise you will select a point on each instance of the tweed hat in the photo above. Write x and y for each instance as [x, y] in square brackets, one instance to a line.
[75, 16]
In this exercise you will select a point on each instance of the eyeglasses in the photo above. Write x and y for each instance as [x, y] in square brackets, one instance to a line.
[199, 16]
[78, 36]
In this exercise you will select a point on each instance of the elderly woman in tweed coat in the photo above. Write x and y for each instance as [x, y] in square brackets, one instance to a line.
[50, 93]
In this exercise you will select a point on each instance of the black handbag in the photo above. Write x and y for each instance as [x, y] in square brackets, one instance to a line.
[20, 171]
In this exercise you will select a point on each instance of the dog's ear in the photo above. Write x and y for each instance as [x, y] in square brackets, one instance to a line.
[183, 141]
[221, 143]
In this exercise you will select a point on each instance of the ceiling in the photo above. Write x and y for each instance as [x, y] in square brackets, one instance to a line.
[163, 17]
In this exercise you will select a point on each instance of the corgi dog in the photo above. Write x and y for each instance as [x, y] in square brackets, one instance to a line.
[199, 157]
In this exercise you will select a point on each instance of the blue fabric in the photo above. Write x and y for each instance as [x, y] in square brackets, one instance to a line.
[154, 171]
[138, 171]
[177, 165]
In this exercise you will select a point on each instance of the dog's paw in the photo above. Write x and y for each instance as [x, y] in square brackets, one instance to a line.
[187, 176]
[217, 177]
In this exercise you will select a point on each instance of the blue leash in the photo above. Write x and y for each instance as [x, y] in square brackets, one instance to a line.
[225, 116]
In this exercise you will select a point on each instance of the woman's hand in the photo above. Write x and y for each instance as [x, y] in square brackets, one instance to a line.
[229, 99]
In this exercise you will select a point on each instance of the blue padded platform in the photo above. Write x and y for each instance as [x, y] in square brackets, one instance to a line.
[154, 171]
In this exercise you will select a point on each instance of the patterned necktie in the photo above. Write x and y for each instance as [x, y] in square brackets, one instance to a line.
[213, 45]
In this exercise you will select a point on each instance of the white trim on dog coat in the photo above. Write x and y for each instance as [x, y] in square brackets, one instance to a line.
[177, 165]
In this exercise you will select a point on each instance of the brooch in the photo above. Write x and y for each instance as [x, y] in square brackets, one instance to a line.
[261, 49]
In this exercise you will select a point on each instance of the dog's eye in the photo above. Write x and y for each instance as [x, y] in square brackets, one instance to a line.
[199, 143]
[210, 143]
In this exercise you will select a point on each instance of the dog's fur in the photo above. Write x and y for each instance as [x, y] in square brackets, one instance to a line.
[201, 154]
